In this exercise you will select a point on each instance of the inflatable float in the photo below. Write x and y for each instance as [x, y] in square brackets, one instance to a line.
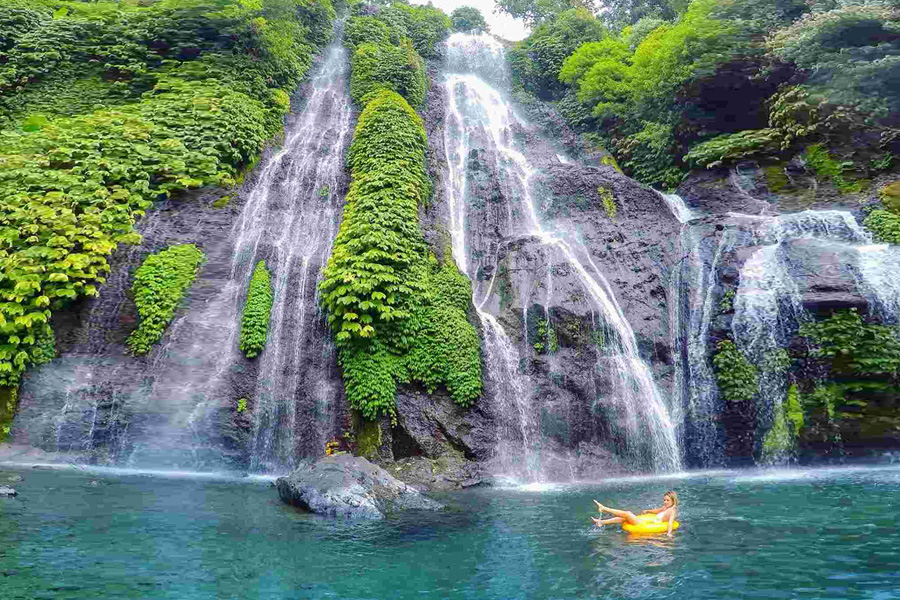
[649, 524]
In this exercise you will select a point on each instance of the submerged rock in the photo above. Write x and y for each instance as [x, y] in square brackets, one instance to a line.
[7, 491]
[349, 486]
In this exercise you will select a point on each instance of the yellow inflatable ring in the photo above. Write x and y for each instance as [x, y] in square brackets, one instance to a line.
[649, 524]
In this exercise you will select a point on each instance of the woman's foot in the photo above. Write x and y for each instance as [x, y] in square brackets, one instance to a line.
[600, 507]
[597, 521]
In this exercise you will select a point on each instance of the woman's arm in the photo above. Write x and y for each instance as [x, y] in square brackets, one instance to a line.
[672, 515]
[654, 511]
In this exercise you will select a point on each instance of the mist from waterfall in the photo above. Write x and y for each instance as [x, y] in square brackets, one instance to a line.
[479, 113]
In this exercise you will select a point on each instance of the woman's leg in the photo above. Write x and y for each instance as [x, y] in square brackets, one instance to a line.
[623, 514]
[613, 521]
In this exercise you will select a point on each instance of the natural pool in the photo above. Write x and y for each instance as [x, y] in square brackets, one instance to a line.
[826, 533]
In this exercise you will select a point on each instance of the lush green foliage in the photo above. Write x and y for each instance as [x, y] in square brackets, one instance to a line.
[159, 284]
[536, 61]
[398, 315]
[156, 98]
[257, 310]
[671, 85]
[425, 26]
[738, 380]
[370, 273]
[384, 67]
[885, 226]
[850, 345]
[468, 18]
[536, 12]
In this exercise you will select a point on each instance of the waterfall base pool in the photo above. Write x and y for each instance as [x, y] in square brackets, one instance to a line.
[825, 533]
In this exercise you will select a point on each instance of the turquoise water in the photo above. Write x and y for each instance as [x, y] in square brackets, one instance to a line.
[830, 533]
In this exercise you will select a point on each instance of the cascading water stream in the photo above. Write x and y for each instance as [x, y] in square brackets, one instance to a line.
[176, 408]
[478, 114]
[768, 304]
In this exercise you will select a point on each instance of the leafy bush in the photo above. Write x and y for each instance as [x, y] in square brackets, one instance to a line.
[851, 346]
[361, 30]
[257, 310]
[650, 155]
[535, 62]
[884, 225]
[397, 315]
[159, 284]
[399, 69]
[370, 273]
[738, 380]
[425, 26]
[468, 18]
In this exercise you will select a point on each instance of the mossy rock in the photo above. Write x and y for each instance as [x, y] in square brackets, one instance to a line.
[8, 400]
[222, 202]
[776, 178]
[890, 197]
[368, 439]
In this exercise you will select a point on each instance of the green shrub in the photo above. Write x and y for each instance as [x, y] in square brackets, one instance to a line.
[257, 310]
[159, 284]
[399, 69]
[426, 26]
[370, 275]
[738, 380]
[794, 409]
[368, 30]
[884, 225]
[398, 316]
[850, 345]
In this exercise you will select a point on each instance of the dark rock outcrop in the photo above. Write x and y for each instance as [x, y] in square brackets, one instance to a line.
[7, 491]
[349, 486]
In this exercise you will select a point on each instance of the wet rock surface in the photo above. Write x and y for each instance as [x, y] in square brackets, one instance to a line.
[350, 487]
[6, 491]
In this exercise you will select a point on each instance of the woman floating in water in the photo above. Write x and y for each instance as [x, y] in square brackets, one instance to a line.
[667, 513]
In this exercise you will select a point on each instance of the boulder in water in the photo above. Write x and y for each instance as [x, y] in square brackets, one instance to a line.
[7, 491]
[349, 486]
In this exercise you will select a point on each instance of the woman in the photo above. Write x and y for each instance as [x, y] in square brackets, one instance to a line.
[667, 513]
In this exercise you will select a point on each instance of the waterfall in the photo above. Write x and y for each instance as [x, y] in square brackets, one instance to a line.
[176, 408]
[480, 120]
[769, 303]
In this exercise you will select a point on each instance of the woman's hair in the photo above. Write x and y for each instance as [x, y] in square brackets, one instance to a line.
[673, 496]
